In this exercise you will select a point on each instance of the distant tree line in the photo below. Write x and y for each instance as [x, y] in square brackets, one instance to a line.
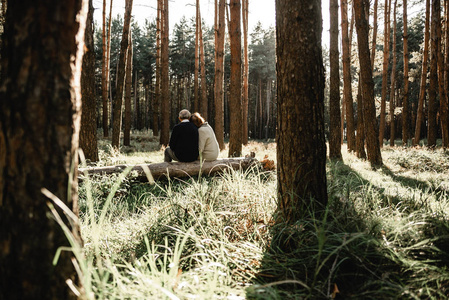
[262, 88]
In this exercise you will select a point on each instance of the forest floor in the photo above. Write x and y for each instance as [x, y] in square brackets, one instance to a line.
[384, 235]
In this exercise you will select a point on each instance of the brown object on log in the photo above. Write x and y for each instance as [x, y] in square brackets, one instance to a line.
[176, 169]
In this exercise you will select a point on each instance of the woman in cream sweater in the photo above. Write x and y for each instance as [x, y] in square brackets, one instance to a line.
[207, 145]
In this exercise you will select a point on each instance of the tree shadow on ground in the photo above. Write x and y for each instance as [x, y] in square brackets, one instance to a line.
[344, 251]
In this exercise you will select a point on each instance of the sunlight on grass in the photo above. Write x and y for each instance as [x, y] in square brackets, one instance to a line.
[384, 235]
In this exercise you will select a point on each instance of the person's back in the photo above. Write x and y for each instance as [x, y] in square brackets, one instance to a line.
[183, 145]
[208, 144]
[184, 141]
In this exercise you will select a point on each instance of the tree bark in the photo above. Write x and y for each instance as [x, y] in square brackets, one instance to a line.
[334, 89]
[128, 87]
[405, 104]
[422, 88]
[434, 48]
[373, 47]
[369, 109]
[393, 80]
[219, 73]
[88, 133]
[157, 89]
[245, 72]
[347, 85]
[445, 108]
[203, 86]
[385, 72]
[117, 121]
[196, 98]
[165, 80]
[40, 115]
[442, 91]
[235, 88]
[360, 143]
[104, 83]
[301, 148]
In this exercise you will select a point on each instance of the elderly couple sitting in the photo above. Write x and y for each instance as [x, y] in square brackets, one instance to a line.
[192, 139]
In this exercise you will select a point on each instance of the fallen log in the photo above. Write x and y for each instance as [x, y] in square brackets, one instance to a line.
[174, 169]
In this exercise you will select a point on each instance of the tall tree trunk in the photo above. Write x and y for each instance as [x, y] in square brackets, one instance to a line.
[117, 121]
[88, 133]
[444, 112]
[157, 98]
[104, 82]
[235, 93]
[405, 104]
[334, 89]
[40, 115]
[385, 71]
[369, 109]
[442, 91]
[434, 48]
[393, 79]
[360, 143]
[373, 47]
[301, 148]
[196, 99]
[245, 71]
[422, 87]
[203, 86]
[219, 71]
[267, 108]
[128, 87]
[347, 85]
[165, 92]
[108, 68]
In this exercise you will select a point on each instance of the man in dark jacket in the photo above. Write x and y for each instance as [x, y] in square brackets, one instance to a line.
[183, 144]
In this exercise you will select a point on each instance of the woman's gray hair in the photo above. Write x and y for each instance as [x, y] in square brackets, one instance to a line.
[184, 114]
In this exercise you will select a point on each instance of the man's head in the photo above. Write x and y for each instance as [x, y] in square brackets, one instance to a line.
[184, 114]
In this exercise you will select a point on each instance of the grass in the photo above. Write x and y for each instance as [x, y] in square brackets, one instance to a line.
[384, 234]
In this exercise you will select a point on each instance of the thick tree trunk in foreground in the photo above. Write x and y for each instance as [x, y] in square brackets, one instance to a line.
[88, 133]
[177, 169]
[235, 88]
[219, 71]
[40, 114]
[301, 148]
[117, 120]
[369, 109]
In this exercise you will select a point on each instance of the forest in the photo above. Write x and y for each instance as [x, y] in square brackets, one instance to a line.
[332, 178]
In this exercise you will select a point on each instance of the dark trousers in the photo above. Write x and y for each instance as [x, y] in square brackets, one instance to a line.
[169, 155]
